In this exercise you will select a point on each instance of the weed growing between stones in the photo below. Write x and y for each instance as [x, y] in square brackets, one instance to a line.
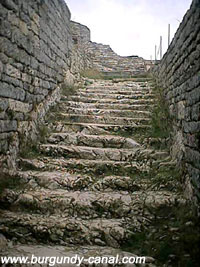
[161, 122]
[172, 238]
[10, 182]
[68, 90]
[31, 150]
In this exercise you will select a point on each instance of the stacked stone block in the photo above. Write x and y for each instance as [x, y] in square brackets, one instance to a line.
[37, 54]
[179, 75]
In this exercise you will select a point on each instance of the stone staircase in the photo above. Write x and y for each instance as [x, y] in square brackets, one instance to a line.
[89, 188]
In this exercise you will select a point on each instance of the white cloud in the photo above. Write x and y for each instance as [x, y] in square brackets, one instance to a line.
[130, 27]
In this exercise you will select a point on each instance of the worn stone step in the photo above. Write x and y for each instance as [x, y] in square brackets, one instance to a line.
[60, 228]
[114, 91]
[96, 128]
[92, 140]
[73, 181]
[74, 255]
[119, 106]
[120, 87]
[99, 168]
[108, 100]
[107, 112]
[97, 153]
[91, 167]
[96, 95]
[88, 204]
[99, 119]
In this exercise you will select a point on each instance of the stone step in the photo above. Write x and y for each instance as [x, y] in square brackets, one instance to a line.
[108, 100]
[87, 204]
[94, 128]
[60, 228]
[99, 168]
[84, 166]
[69, 181]
[120, 87]
[99, 119]
[114, 91]
[119, 106]
[107, 112]
[92, 140]
[97, 153]
[96, 95]
[74, 255]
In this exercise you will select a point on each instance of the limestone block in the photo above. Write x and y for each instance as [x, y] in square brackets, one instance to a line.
[36, 19]
[195, 112]
[8, 126]
[36, 81]
[181, 110]
[3, 104]
[12, 18]
[34, 28]
[36, 41]
[19, 106]
[7, 90]
[12, 71]
[23, 27]
[178, 148]
[10, 5]
[5, 29]
[26, 78]
[1, 68]
[69, 78]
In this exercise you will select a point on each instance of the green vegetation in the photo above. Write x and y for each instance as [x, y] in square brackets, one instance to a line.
[9, 182]
[31, 150]
[158, 134]
[161, 122]
[68, 90]
[92, 74]
[173, 239]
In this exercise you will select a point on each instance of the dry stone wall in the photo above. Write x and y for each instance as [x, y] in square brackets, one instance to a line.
[37, 54]
[40, 50]
[179, 75]
[107, 61]
[103, 58]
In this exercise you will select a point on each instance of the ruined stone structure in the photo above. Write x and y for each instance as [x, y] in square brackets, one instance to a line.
[108, 62]
[41, 49]
[97, 183]
[178, 74]
[37, 55]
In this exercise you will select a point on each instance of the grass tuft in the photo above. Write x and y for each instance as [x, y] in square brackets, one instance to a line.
[92, 74]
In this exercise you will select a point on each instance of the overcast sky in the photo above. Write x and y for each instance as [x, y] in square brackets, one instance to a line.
[130, 27]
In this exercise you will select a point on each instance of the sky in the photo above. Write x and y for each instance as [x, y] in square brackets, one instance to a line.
[130, 27]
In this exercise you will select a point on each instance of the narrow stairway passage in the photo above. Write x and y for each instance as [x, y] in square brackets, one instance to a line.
[92, 188]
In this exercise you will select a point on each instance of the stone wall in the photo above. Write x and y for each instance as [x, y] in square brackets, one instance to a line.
[106, 60]
[37, 54]
[179, 75]
[81, 39]
[80, 33]
[102, 57]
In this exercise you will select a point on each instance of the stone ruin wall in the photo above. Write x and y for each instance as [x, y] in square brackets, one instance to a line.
[37, 55]
[103, 58]
[40, 50]
[107, 61]
[179, 75]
